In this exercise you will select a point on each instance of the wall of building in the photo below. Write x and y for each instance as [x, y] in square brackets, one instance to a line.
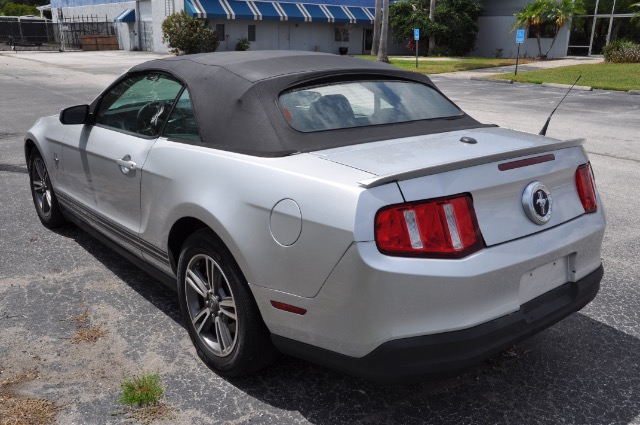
[270, 35]
[285, 35]
[495, 33]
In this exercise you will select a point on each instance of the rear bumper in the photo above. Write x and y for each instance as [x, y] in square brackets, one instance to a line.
[436, 355]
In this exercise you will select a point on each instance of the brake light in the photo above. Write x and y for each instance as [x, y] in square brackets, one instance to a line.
[586, 188]
[439, 228]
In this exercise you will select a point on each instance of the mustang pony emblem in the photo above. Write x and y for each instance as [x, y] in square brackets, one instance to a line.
[537, 202]
[542, 201]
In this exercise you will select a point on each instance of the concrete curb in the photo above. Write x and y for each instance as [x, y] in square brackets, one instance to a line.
[634, 92]
[567, 86]
[492, 80]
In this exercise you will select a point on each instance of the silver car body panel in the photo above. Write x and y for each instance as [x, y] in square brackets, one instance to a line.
[371, 298]
[235, 194]
[356, 297]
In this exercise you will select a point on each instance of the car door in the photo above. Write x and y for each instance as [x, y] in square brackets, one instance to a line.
[102, 161]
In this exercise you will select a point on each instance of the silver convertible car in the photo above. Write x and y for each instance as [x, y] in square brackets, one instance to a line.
[334, 209]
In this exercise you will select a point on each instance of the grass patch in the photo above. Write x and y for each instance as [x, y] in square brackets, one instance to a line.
[16, 410]
[606, 76]
[142, 394]
[143, 390]
[435, 66]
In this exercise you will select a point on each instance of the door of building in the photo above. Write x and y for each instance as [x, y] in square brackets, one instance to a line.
[367, 41]
[284, 36]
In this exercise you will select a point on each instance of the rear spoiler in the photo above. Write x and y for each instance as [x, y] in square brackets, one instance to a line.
[441, 168]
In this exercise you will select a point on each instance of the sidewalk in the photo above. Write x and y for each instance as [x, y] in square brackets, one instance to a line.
[532, 66]
[116, 61]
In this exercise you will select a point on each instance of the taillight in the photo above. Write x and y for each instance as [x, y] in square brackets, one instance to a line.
[445, 227]
[586, 188]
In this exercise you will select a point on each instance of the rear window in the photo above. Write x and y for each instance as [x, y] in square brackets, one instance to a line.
[363, 103]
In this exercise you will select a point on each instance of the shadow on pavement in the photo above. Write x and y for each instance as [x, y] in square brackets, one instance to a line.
[579, 371]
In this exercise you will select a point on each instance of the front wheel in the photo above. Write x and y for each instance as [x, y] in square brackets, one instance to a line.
[221, 315]
[44, 198]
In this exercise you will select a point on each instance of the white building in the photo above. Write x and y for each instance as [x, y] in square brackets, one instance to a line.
[315, 25]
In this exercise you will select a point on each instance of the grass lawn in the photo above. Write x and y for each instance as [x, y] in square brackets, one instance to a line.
[607, 76]
[435, 66]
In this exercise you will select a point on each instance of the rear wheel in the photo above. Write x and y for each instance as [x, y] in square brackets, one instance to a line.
[44, 198]
[221, 315]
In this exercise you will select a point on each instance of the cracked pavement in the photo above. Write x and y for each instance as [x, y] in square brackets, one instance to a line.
[584, 370]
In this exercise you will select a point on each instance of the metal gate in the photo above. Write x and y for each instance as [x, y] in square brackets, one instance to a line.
[73, 28]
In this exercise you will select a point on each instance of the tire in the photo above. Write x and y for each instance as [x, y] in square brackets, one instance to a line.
[44, 198]
[222, 317]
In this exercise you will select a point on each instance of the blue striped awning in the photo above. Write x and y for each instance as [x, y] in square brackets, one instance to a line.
[361, 14]
[339, 14]
[316, 13]
[278, 11]
[129, 15]
[293, 12]
[268, 11]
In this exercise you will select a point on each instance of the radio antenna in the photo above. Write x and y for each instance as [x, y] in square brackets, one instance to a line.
[543, 132]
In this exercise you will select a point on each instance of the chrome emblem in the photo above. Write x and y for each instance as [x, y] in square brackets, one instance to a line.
[537, 202]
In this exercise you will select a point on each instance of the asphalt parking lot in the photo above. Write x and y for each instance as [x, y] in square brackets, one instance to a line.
[584, 370]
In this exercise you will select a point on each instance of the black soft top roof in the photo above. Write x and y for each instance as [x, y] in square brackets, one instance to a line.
[235, 96]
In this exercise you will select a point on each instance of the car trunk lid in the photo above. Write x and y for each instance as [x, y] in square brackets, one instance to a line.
[441, 165]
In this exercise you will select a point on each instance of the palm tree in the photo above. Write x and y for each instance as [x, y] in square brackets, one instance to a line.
[382, 51]
[562, 11]
[432, 18]
[540, 12]
[376, 31]
[532, 16]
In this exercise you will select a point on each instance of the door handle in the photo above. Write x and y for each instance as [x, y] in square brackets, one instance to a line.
[126, 164]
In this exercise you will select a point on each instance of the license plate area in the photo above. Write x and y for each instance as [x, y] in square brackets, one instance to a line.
[545, 278]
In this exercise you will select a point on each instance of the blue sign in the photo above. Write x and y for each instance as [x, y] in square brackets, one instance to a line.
[416, 34]
[520, 37]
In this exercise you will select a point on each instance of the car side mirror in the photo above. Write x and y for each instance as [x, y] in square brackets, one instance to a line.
[75, 114]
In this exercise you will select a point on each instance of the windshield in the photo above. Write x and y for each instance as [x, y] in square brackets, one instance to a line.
[363, 103]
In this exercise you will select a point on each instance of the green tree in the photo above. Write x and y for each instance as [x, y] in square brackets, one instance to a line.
[454, 27]
[15, 9]
[537, 15]
[187, 35]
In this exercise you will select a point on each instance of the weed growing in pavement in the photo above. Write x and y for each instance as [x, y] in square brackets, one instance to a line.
[142, 393]
[88, 334]
[143, 390]
[84, 332]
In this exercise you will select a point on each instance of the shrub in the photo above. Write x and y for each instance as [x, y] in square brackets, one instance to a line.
[243, 44]
[187, 35]
[622, 51]
[18, 9]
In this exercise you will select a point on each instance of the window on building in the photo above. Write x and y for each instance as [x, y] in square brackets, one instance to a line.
[252, 33]
[342, 34]
[546, 30]
[169, 7]
[220, 32]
